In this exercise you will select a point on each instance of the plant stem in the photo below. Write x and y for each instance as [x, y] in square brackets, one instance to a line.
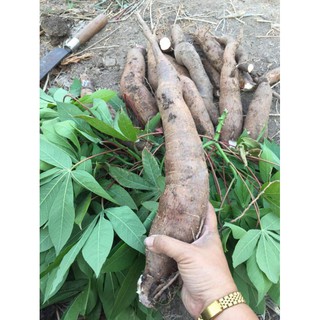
[221, 119]
[93, 156]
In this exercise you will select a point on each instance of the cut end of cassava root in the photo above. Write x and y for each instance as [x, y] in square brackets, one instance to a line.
[165, 44]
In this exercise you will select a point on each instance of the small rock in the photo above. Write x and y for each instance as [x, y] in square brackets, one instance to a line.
[56, 27]
[109, 62]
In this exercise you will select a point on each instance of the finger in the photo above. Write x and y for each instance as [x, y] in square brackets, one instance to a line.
[171, 247]
[210, 224]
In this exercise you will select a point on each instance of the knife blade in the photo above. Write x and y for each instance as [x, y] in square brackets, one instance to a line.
[54, 57]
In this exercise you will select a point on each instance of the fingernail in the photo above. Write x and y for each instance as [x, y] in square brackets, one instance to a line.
[149, 241]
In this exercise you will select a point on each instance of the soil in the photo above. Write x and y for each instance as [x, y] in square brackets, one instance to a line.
[103, 57]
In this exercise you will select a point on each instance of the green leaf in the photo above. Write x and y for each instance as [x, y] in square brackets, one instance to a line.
[128, 227]
[61, 272]
[151, 205]
[45, 241]
[268, 257]
[258, 278]
[151, 167]
[237, 232]
[67, 129]
[82, 209]
[274, 293]
[152, 123]
[116, 103]
[87, 181]
[75, 88]
[127, 292]
[52, 154]
[272, 195]
[242, 192]
[272, 161]
[48, 194]
[61, 95]
[122, 196]
[107, 287]
[77, 307]
[103, 94]
[270, 222]
[48, 113]
[46, 97]
[102, 110]
[128, 179]
[98, 246]
[245, 247]
[104, 127]
[62, 214]
[126, 127]
[47, 128]
[120, 260]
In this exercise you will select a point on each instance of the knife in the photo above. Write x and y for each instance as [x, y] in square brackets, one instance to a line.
[54, 57]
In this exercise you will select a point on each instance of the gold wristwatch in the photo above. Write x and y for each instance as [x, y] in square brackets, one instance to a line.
[217, 306]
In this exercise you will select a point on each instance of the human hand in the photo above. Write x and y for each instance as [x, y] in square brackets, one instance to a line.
[202, 265]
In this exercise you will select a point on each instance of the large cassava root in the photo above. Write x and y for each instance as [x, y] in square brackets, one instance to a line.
[183, 205]
[230, 98]
[186, 55]
[132, 88]
[258, 111]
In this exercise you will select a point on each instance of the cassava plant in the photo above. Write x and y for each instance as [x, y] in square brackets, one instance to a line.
[100, 192]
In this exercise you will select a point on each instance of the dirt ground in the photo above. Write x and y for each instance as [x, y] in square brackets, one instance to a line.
[103, 57]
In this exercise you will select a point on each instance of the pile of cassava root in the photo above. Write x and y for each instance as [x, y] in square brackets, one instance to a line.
[190, 92]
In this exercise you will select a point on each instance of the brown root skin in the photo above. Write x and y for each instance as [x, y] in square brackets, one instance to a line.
[135, 94]
[186, 55]
[184, 202]
[230, 98]
[151, 68]
[243, 62]
[211, 48]
[197, 107]
[258, 110]
[213, 75]
[245, 81]
[273, 76]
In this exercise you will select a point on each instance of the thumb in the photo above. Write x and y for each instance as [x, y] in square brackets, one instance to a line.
[171, 247]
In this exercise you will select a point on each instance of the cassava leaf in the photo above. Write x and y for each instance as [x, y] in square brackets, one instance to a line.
[102, 111]
[127, 226]
[61, 271]
[98, 245]
[75, 88]
[62, 214]
[271, 161]
[103, 94]
[103, 127]
[151, 167]
[127, 292]
[245, 247]
[120, 260]
[237, 232]
[87, 181]
[82, 208]
[258, 278]
[268, 257]
[77, 307]
[126, 127]
[52, 154]
[128, 179]
[45, 241]
[122, 196]
[67, 129]
[272, 195]
[270, 222]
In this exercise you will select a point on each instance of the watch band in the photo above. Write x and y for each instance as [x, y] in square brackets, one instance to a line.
[217, 306]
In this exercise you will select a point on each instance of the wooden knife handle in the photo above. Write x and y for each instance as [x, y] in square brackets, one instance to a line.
[92, 28]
